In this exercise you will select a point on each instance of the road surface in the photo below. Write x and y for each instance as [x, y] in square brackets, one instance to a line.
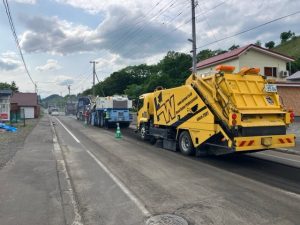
[125, 181]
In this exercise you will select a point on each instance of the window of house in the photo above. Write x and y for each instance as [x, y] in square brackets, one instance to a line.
[270, 71]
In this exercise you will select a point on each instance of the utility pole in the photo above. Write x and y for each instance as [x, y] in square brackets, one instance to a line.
[94, 75]
[69, 88]
[193, 40]
[35, 87]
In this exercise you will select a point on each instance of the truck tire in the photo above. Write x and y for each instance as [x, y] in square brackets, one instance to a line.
[185, 143]
[143, 132]
[152, 140]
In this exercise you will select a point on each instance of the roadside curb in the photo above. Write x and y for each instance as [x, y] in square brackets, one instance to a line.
[288, 151]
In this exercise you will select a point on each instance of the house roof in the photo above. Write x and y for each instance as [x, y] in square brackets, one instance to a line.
[236, 53]
[295, 76]
[25, 99]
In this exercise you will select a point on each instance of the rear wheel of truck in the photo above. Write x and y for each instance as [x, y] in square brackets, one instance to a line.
[185, 143]
[152, 140]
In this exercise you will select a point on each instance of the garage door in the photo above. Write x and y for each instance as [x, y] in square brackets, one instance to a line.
[29, 112]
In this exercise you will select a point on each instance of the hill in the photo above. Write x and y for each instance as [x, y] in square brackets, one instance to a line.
[290, 48]
[55, 100]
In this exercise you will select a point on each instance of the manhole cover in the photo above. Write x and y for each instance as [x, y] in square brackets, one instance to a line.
[166, 219]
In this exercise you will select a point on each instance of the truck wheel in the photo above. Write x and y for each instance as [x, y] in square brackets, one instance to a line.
[143, 132]
[152, 140]
[185, 143]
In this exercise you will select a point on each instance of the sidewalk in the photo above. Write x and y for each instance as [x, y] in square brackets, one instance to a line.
[29, 190]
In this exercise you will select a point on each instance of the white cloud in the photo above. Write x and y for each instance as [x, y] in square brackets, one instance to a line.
[50, 65]
[63, 80]
[9, 61]
[117, 34]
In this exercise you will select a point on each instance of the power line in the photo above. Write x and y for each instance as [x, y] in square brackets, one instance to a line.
[250, 29]
[133, 33]
[160, 37]
[14, 33]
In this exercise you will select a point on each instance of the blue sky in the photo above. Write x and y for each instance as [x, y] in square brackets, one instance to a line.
[60, 37]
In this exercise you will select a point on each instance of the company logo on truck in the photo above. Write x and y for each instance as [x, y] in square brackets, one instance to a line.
[165, 110]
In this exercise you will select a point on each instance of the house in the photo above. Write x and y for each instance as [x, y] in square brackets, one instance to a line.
[27, 102]
[4, 105]
[271, 64]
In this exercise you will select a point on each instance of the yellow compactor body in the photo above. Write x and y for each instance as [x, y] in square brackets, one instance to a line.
[221, 113]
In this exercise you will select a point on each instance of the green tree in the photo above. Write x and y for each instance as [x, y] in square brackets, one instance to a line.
[175, 65]
[205, 54]
[219, 51]
[11, 86]
[14, 87]
[285, 36]
[134, 91]
[233, 47]
[270, 44]
[258, 43]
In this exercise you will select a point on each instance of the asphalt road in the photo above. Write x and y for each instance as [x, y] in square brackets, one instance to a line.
[126, 181]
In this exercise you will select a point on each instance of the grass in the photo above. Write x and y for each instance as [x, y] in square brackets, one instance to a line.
[290, 48]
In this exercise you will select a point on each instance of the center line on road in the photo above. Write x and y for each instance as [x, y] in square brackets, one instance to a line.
[121, 185]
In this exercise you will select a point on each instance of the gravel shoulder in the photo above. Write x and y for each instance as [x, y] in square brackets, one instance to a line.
[10, 143]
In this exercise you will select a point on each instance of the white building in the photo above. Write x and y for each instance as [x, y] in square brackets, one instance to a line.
[271, 64]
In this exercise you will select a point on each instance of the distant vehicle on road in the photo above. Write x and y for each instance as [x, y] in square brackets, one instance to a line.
[70, 108]
[50, 108]
[54, 112]
[83, 106]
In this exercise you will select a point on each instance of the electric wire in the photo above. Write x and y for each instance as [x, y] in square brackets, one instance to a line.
[14, 33]
[250, 29]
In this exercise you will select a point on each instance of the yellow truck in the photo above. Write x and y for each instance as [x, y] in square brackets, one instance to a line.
[217, 114]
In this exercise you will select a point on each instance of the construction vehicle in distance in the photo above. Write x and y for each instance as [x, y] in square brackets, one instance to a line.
[70, 108]
[108, 111]
[217, 114]
[83, 107]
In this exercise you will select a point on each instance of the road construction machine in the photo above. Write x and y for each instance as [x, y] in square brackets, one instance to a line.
[221, 113]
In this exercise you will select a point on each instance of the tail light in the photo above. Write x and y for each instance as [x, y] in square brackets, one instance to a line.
[234, 116]
[292, 117]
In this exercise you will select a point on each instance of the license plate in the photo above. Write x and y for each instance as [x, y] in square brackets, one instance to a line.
[270, 88]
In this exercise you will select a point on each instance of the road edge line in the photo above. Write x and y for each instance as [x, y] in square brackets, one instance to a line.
[70, 190]
[119, 183]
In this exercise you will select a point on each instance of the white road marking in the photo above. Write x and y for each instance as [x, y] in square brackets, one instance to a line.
[60, 161]
[73, 136]
[121, 185]
[293, 160]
